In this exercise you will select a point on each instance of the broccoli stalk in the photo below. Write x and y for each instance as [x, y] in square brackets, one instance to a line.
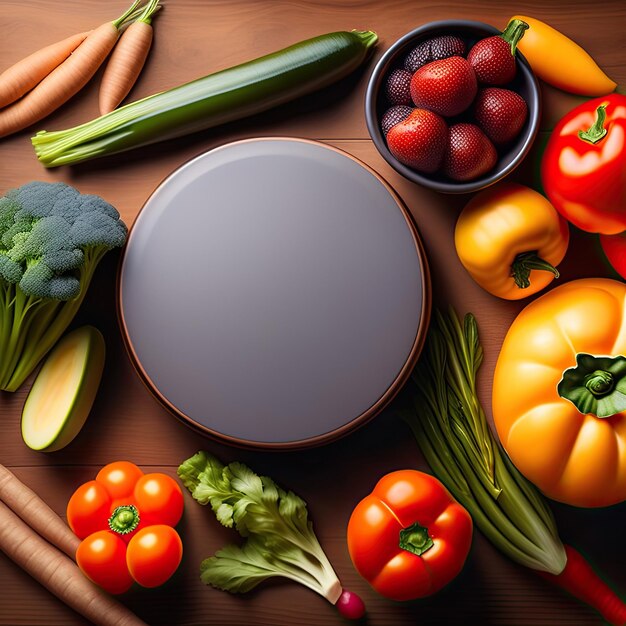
[51, 241]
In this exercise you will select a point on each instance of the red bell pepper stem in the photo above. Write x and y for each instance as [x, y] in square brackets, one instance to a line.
[579, 579]
[597, 131]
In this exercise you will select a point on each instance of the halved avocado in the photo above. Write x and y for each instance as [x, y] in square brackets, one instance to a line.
[63, 392]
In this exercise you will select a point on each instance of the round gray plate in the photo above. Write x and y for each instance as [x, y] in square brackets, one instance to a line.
[273, 293]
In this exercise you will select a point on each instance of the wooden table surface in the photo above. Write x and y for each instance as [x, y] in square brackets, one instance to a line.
[194, 38]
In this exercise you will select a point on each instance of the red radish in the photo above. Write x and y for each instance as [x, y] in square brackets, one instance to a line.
[470, 154]
[446, 87]
[25, 74]
[394, 116]
[433, 50]
[398, 87]
[579, 579]
[420, 140]
[65, 80]
[493, 58]
[127, 60]
[500, 113]
[350, 605]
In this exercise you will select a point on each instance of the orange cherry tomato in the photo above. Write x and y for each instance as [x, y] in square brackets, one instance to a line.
[159, 498]
[119, 478]
[409, 537]
[154, 554]
[102, 558]
[88, 509]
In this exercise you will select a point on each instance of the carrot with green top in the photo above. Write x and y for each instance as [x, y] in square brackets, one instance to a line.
[66, 79]
[21, 77]
[127, 60]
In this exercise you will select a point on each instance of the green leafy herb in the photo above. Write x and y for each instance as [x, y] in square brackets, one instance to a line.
[452, 432]
[280, 538]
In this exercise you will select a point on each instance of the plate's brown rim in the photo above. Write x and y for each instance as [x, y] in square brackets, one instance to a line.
[356, 422]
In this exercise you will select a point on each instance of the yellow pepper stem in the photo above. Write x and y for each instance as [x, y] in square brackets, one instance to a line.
[513, 32]
[524, 263]
[597, 130]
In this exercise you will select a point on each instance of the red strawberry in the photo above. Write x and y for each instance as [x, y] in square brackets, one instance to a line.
[446, 87]
[470, 154]
[501, 113]
[433, 50]
[398, 87]
[420, 140]
[393, 116]
[493, 58]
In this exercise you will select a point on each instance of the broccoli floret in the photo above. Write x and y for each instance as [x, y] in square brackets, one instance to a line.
[52, 237]
[45, 229]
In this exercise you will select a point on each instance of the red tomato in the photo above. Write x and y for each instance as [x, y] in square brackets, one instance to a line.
[102, 558]
[125, 506]
[583, 170]
[154, 554]
[88, 509]
[409, 537]
[119, 478]
[159, 498]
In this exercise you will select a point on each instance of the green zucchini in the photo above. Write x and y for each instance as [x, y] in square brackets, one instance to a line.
[222, 97]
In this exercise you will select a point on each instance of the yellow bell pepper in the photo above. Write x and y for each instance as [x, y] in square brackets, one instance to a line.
[561, 62]
[510, 238]
[559, 392]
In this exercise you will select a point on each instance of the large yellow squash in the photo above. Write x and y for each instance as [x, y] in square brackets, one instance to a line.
[559, 392]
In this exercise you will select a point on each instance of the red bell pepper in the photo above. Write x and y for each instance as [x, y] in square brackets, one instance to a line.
[584, 165]
[125, 519]
[409, 537]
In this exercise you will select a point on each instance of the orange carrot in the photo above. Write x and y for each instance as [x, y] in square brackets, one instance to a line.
[66, 80]
[57, 573]
[25, 74]
[24, 502]
[127, 60]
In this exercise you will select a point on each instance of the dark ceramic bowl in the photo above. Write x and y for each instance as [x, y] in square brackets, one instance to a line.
[525, 83]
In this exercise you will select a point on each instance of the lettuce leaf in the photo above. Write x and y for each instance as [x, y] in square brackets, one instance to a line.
[280, 540]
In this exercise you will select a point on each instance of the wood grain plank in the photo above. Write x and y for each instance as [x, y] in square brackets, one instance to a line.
[185, 600]
[195, 37]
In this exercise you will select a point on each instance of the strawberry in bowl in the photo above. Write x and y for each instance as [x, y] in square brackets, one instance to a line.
[471, 76]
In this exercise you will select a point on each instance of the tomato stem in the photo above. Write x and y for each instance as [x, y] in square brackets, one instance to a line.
[524, 263]
[596, 131]
[513, 32]
[415, 539]
[124, 519]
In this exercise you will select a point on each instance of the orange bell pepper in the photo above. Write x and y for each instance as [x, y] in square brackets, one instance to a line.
[409, 537]
[559, 392]
[510, 238]
[561, 62]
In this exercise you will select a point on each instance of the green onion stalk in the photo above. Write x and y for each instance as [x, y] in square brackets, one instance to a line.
[452, 432]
